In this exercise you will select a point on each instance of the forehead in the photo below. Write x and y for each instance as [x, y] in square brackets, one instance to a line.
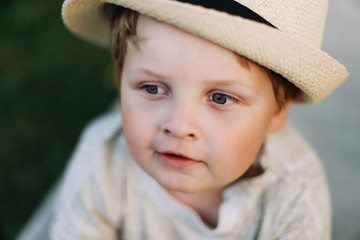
[153, 32]
[159, 44]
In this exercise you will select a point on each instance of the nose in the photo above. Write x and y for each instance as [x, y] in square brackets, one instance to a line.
[182, 122]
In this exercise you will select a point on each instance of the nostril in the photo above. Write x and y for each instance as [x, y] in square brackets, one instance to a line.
[168, 132]
[180, 133]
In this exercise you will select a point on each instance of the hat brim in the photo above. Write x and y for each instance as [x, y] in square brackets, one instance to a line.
[309, 68]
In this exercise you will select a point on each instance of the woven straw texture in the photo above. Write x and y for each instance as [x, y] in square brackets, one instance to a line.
[293, 50]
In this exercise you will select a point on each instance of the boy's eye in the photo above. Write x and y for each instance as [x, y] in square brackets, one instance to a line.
[220, 98]
[154, 89]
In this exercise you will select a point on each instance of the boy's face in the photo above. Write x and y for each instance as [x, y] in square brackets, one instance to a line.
[194, 118]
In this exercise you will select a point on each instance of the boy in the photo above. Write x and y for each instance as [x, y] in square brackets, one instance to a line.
[200, 149]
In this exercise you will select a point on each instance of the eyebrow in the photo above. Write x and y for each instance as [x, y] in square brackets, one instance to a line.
[151, 73]
[228, 82]
[215, 82]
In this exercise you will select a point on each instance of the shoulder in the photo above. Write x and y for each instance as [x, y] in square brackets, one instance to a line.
[88, 201]
[103, 127]
[101, 154]
[293, 164]
[93, 184]
[287, 153]
[96, 140]
[295, 185]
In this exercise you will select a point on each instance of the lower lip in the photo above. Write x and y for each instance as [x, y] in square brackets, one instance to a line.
[177, 162]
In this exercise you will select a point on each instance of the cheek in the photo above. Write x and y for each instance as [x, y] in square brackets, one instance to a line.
[133, 127]
[239, 155]
[244, 146]
[129, 129]
[237, 142]
[139, 126]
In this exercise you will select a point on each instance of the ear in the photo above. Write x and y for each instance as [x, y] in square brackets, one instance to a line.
[279, 117]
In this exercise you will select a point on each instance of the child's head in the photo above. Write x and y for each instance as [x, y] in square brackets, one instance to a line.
[124, 35]
[196, 112]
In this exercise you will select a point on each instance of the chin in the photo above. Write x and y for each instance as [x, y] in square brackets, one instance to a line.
[179, 184]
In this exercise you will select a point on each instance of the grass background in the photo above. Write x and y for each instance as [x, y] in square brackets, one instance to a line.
[51, 85]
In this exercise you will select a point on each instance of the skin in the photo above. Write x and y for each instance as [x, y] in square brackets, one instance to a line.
[194, 118]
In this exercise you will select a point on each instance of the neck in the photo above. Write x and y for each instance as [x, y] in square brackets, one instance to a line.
[206, 204]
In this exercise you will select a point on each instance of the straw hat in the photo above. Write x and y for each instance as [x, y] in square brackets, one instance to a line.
[284, 36]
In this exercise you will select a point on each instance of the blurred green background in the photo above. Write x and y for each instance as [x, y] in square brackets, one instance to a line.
[51, 85]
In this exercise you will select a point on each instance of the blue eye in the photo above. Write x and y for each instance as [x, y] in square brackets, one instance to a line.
[220, 98]
[154, 89]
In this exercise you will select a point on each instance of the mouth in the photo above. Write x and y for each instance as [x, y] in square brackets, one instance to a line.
[177, 160]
